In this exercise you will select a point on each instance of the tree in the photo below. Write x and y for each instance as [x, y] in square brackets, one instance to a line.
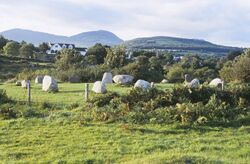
[26, 50]
[3, 42]
[43, 47]
[98, 51]
[237, 70]
[11, 48]
[69, 59]
[115, 57]
[233, 54]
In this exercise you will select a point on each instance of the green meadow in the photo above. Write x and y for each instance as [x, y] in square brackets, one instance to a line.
[63, 137]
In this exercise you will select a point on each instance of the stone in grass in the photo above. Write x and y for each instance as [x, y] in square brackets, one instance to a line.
[142, 84]
[107, 78]
[18, 83]
[123, 79]
[49, 84]
[99, 87]
[195, 83]
[217, 82]
[164, 81]
[39, 79]
[24, 83]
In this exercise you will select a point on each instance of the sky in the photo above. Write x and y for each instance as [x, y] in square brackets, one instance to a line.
[224, 22]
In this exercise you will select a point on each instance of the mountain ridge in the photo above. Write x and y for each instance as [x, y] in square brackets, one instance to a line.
[82, 39]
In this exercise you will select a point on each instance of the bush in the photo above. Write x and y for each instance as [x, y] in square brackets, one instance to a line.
[3, 97]
[7, 111]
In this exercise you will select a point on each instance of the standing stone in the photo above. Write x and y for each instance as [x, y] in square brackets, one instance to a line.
[24, 83]
[99, 87]
[219, 83]
[164, 81]
[18, 83]
[187, 78]
[49, 84]
[123, 79]
[142, 84]
[152, 84]
[107, 78]
[39, 79]
[195, 83]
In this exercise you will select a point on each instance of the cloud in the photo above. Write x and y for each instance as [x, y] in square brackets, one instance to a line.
[222, 22]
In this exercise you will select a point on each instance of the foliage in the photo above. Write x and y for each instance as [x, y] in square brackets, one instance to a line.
[43, 47]
[3, 42]
[26, 50]
[11, 48]
[238, 70]
[98, 53]
[115, 57]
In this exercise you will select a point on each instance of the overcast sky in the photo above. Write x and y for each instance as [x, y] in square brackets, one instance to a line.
[220, 21]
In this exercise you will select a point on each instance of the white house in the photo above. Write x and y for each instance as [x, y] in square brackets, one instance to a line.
[56, 47]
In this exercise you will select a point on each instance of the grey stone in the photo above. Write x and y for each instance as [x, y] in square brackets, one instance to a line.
[123, 79]
[49, 84]
[142, 84]
[217, 82]
[39, 79]
[99, 87]
[107, 78]
[24, 83]
[195, 83]
[18, 83]
[164, 81]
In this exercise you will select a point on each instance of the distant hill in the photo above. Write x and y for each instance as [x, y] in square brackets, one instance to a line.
[83, 39]
[178, 45]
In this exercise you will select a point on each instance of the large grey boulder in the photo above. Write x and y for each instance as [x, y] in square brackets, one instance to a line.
[24, 83]
[195, 83]
[99, 87]
[107, 78]
[217, 82]
[123, 79]
[39, 79]
[142, 84]
[49, 84]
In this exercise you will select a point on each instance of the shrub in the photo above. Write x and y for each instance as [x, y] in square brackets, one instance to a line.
[3, 97]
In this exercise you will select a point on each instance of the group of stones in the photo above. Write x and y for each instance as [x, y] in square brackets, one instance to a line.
[49, 84]
[217, 82]
[100, 86]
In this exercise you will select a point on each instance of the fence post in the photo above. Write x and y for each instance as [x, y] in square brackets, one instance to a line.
[86, 96]
[29, 93]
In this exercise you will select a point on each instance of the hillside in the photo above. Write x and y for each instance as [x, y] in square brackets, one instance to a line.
[11, 66]
[179, 45]
[83, 39]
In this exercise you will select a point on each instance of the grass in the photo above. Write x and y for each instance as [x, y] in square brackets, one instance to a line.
[53, 141]
[68, 93]
[65, 136]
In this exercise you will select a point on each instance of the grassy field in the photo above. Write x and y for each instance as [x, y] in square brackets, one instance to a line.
[63, 136]
[54, 141]
[69, 93]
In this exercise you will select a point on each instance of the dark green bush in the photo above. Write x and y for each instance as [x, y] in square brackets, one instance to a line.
[8, 111]
[3, 97]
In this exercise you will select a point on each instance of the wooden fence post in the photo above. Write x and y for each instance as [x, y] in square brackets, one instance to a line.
[29, 93]
[86, 96]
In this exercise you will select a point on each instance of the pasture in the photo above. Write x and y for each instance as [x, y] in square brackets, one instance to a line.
[68, 92]
[64, 137]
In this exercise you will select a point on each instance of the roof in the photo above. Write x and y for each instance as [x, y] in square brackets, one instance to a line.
[80, 49]
[61, 44]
